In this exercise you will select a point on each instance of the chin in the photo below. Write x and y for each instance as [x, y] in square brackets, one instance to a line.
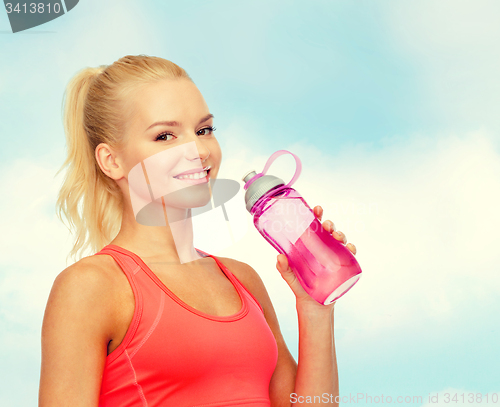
[195, 196]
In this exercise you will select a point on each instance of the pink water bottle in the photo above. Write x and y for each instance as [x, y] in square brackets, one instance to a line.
[323, 265]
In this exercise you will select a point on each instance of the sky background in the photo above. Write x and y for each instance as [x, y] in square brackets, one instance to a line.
[392, 107]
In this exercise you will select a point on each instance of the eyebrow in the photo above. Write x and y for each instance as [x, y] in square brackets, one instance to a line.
[177, 124]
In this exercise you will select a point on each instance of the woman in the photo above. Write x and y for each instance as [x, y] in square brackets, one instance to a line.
[149, 320]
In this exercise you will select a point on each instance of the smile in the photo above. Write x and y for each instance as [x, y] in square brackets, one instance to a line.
[196, 175]
[194, 178]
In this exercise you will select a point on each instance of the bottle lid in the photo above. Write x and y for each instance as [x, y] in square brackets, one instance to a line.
[259, 187]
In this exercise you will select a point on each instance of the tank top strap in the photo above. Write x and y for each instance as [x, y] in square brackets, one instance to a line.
[141, 310]
[127, 264]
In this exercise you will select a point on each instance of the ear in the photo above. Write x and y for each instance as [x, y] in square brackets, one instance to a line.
[109, 162]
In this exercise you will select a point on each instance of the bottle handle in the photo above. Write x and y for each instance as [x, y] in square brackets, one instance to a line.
[298, 169]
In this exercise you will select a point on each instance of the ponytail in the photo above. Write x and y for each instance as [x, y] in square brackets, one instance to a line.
[84, 182]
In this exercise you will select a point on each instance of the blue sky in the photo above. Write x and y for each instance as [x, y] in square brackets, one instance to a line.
[392, 107]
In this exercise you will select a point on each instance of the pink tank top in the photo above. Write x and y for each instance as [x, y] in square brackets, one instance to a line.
[175, 355]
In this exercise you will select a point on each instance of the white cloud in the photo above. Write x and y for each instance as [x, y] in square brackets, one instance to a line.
[33, 240]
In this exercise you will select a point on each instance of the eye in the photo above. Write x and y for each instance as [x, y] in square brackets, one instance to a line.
[206, 131]
[161, 136]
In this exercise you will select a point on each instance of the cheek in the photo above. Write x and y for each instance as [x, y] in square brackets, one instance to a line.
[160, 169]
[134, 154]
[215, 152]
[160, 165]
[140, 194]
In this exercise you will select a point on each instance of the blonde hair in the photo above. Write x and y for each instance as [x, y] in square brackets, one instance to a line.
[95, 109]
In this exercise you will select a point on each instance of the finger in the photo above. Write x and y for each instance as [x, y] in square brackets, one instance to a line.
[290, 277]
[351, 247]
[318, 211]
[282, 263]
[339, 236]
[329, 226]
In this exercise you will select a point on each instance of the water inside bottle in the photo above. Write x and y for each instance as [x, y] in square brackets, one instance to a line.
[324, 266]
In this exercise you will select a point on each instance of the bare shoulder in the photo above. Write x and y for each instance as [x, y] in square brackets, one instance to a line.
[243, 271]
[77, 326]
[237, 265]
[98, 264]
[86, 287]
[250, 278]
[90, 273]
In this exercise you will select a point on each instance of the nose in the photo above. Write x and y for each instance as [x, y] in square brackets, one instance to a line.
[203, 151]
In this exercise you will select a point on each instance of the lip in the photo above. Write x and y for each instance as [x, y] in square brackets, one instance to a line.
[193, 171]
[194, 181]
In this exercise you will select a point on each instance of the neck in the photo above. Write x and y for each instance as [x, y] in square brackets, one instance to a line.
[158, 234]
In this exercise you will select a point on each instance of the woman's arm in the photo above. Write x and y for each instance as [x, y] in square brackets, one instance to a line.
[75, 333]
[317, 382]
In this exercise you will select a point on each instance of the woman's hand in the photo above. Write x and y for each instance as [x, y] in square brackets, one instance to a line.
[303, 298]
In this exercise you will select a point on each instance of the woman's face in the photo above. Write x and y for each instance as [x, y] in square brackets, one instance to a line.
[169, 131]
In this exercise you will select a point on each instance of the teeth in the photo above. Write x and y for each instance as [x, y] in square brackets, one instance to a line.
[197, 175]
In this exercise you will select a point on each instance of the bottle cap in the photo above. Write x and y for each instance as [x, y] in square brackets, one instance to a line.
[259, 187]
[259, 184]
